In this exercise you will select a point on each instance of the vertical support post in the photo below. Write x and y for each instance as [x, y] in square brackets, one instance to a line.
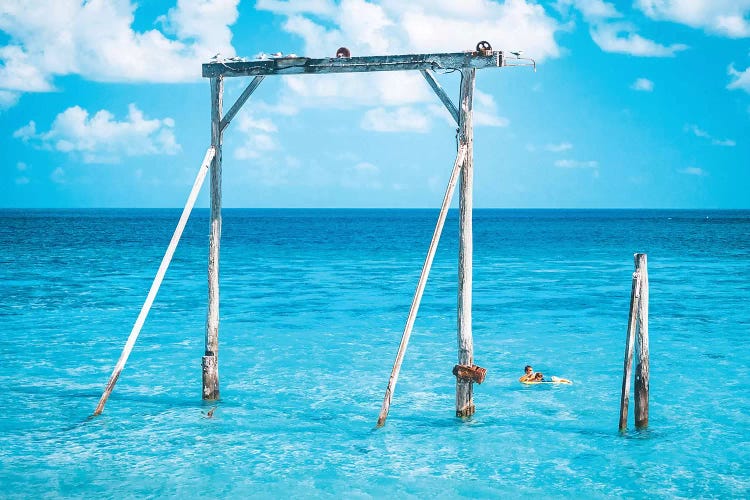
[629, 343]
[464, 388]
[210, 362]
[642, 368]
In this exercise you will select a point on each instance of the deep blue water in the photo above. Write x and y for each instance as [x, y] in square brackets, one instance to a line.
[313, 303]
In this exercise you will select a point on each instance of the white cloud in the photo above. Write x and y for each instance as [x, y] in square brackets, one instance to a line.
[741, 79]
[485, 111]
[729, 18]
[8, 99]
[259, 137]
[398, 120]
[95, 40]
[26, 132]
[698, 132]
[396, 27]
[577, 164]
[592, 10]
[643, 85]
[616, 36]
[559, 148]
[101, 138]
[621, 38]
[697, 171]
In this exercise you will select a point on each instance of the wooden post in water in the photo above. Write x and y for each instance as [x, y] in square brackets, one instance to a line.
[642, 368]
[464, 387]
[637, 327]
[210, 361]
[629, 343]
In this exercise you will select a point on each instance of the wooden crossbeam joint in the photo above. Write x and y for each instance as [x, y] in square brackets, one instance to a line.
[471, 373]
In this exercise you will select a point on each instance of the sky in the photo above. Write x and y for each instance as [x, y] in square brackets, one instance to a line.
[642, 104]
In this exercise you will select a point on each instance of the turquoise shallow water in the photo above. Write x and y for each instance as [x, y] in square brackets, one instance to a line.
[313, 306]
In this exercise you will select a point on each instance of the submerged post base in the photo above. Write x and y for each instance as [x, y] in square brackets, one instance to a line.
[466, 412]
[210, 378]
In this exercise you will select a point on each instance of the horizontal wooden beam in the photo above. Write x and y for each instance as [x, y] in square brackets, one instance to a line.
[306, 65]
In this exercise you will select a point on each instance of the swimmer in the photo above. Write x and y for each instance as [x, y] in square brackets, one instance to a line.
[539, 377]
[528, 374]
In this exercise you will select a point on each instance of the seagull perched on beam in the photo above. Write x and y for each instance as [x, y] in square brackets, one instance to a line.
[517, 53]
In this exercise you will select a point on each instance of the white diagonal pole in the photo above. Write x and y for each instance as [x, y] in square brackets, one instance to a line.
[157, 280]
[420, 286]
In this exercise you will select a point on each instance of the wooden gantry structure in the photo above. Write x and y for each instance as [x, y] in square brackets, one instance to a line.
[466, 372]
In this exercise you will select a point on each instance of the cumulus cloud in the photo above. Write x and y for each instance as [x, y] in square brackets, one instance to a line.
[741, 79]
[730, 18]
[485, 111]
[643, 85]
[613, 35]
[258, 136]
[621, 38]
[96, 40]
[8, 99]
[698, 132]
[101, 138]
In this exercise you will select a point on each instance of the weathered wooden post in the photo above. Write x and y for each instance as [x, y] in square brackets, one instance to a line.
[464, 386]
[642, 368]
[210, 361]
[637, 326]
[629, 343]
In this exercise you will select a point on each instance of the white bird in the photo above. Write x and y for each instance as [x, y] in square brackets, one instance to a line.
[517, 53]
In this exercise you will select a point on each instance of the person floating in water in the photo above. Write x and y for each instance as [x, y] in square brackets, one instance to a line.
[528, 374]
[530, 377]
[539, 377]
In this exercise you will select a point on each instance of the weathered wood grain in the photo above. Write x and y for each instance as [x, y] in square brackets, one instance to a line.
[464, 388]
[211, 366]
[641, 388]
[306, 65]
[629, 344]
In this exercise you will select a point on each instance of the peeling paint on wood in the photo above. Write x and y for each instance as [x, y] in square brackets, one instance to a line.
[306, 65]
[465, 388]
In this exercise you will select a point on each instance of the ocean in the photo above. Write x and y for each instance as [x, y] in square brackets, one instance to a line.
[313, 304]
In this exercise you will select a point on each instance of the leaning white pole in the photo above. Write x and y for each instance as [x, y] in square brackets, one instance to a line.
[420, 286]
[157, 280]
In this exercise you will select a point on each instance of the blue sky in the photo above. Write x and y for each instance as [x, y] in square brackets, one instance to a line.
[642, 104]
